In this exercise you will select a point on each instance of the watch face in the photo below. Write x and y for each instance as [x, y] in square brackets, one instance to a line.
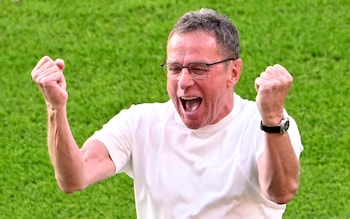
[284, 126]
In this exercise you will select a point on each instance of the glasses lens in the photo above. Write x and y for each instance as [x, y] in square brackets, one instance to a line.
[198, 70]
[173, 70]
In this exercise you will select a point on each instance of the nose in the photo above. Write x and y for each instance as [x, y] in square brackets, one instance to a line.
[185, 79]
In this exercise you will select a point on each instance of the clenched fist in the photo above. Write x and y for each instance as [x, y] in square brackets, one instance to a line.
[272, 88]
[48, 75]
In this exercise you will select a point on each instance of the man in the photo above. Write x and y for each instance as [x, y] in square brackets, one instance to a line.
[207, 153]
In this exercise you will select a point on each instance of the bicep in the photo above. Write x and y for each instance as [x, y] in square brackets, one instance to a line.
[98, 163]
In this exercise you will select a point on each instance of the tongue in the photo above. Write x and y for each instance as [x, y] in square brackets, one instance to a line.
[192, 105]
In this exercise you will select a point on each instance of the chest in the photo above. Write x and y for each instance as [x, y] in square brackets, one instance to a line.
[188, 167]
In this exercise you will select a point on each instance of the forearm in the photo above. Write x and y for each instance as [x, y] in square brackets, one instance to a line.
[278, 168]
[64, 152]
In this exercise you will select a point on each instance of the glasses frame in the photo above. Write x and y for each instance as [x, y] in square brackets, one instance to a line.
[193, 75]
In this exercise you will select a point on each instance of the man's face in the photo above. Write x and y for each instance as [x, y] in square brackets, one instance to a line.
[206, 101]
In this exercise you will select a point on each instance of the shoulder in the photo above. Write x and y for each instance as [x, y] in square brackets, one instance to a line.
[144, 112]
[151, 106]
[149, 109]
[245, 107]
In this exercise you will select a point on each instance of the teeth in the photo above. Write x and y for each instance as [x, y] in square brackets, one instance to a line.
[189, 98]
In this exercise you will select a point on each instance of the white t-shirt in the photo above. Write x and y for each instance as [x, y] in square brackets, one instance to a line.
[180, 173]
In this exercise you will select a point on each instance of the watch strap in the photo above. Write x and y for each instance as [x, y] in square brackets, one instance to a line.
[281, 128]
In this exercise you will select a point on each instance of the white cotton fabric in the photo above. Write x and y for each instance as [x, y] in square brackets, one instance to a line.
[182, 173]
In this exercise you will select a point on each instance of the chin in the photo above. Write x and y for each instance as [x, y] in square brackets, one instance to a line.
[193, 124]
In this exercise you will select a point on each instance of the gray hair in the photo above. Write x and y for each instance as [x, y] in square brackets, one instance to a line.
[210, 21]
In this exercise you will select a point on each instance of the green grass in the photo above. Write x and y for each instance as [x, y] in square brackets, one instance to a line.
[113, 50]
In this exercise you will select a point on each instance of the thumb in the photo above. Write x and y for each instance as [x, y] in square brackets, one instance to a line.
[257, 84]
[60, 63]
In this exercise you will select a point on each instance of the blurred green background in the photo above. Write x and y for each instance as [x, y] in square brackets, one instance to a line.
[112, 51]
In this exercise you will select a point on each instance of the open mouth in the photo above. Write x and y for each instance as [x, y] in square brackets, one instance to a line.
[190, 104]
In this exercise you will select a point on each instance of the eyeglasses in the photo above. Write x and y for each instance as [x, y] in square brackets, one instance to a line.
[197, 70]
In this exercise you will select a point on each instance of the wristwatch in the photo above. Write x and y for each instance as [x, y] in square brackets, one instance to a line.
[281, 128]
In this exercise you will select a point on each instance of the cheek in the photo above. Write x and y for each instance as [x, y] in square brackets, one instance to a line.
[215, 92]
[171, 88]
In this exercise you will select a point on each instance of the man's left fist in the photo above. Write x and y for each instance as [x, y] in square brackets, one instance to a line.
[272, 88]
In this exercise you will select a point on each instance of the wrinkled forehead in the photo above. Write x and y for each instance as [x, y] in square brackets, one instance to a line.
[195, 40]
[195, 43]
[197, 31]
[192, 41]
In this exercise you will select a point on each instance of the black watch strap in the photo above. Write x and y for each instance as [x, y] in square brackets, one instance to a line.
[281, 128]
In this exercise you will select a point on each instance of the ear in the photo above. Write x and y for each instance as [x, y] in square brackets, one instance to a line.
[235, 68]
